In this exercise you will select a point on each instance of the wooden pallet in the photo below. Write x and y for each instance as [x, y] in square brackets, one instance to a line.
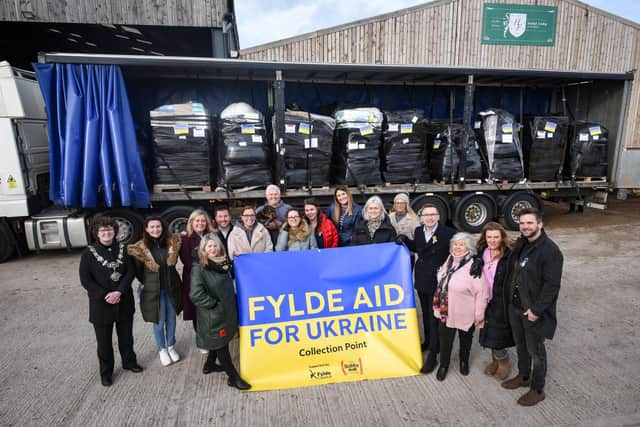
[175, 188]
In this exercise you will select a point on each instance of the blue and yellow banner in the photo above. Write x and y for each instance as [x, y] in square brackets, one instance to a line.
[326, 316]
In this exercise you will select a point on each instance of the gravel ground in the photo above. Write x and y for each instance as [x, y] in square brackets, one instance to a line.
[49, 373]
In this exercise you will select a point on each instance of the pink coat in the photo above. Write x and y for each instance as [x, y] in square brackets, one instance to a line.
[467, 298]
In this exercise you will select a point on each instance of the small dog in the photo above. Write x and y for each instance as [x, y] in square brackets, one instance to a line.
[267, 215]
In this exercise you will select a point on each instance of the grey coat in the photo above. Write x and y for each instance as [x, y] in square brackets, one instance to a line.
[297, 245]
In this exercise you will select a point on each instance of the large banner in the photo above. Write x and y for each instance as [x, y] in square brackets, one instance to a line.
[326, 316]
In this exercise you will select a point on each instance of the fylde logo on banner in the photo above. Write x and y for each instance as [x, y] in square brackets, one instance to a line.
[325, 316]
[515, 24]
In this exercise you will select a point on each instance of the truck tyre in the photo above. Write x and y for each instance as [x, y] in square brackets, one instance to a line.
[7, 242]
[513, 205]
[473, 211]
[176, 218]
[130, 225]
[439, 202]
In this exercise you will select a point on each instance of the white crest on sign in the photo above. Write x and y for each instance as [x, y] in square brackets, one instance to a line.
[515, 23]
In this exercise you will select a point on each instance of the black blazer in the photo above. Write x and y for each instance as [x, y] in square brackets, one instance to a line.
[537, 269]
[96, 280]
[431, 255]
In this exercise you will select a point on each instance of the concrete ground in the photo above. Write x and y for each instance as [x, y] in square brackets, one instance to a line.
[49, 373]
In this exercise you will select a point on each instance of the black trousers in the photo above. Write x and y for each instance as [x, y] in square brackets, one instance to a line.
[447, 335]
[224, 356]
[530, 348]
[430, 322]
[104, 334]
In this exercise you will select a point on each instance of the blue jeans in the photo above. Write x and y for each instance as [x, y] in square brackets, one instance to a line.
[165, 329]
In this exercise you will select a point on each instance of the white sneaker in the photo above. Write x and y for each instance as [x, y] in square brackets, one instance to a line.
[165, 359]
[203, 351]
[173, 354]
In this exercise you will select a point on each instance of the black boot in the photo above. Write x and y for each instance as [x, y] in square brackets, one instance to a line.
[430, 364]
[210, 365]
[238, 383]
[442, 373]
[464, 367]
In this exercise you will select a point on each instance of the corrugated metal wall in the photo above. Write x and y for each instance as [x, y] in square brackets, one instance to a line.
[448, 33]
[191, 13]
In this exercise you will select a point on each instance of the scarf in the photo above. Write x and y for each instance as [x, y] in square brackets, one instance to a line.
[373, 226]
[441, 295]
[299, 233]
[219, 264]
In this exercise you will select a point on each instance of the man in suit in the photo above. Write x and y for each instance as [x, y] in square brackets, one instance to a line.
[431, 243]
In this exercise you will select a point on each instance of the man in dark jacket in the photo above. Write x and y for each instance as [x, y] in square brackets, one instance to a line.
[223, 224]
[431, 243]
[535, 284]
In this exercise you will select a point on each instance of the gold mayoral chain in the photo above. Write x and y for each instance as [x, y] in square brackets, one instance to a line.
[113, 265]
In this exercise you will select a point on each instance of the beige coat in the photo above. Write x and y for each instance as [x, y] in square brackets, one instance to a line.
[239, 244]
[406, 226]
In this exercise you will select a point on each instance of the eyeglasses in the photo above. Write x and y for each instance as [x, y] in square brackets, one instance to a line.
[431, 214]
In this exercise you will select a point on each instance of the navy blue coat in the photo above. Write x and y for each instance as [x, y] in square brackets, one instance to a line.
[431, 255]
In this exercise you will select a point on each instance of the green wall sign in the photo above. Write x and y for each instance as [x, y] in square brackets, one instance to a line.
[519, 24]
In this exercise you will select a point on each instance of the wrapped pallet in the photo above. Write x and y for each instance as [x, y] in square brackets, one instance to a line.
[404, 147]
[183, 139]
[497, 133]
[446, 143]
[545, 147]
[244, 150]
[356, 149]
[588, 154]
[308, 141]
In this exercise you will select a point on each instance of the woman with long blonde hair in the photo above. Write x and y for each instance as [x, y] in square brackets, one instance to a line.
[344, 212]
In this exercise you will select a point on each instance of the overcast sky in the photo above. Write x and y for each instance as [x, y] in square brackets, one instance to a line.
[264, 21]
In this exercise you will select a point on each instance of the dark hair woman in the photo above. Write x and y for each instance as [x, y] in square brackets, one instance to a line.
[295, 234]
[106, 272]
[344, 212]
[322, 228]
[494, 247]
[215, 300]
[155, 258]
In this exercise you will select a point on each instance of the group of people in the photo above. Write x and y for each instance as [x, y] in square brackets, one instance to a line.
[508, 291]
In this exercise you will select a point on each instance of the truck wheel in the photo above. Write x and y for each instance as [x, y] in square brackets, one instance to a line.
[512, 207]
[7, 242]
[176, 218]
[439, 202]
[473, 211]
[129, 225]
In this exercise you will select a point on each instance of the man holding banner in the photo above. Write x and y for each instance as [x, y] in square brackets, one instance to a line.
[316, 317]
[431, 243]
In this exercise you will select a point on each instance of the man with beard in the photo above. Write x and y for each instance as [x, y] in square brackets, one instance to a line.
[223, 224]
[536, 271]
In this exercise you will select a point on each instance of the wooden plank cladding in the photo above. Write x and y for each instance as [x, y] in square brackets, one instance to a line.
[187, 13]
[448, 33]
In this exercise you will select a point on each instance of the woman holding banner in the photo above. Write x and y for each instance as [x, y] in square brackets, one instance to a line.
[295, 234]
[459, 302]
[248, 236]
[374, 225]
[344, 212]
[321, 227]
[214, 297]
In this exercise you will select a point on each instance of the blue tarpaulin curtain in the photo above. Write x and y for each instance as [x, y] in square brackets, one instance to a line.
[94, 156]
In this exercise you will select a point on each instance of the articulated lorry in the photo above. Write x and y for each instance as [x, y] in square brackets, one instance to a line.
[57, 170]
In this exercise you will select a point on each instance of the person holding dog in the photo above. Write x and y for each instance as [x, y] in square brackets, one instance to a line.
[274, 212]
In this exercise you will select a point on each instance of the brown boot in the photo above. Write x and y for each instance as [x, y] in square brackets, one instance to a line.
[503, 368]
[515, 382]
[492, 367]
[531, 398]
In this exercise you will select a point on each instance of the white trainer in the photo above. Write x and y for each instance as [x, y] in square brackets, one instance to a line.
[165, 359]
[203, 351]
[173, 354]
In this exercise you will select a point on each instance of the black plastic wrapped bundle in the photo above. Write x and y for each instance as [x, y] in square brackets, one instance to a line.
[404, 147]
[588, 154]
[497, 133]
[356, 149]
[446, 142]
[308, 141]
[545, 147]
[244, 149]
[182, 151]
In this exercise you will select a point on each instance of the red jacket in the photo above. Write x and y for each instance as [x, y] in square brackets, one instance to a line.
[329, 232]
